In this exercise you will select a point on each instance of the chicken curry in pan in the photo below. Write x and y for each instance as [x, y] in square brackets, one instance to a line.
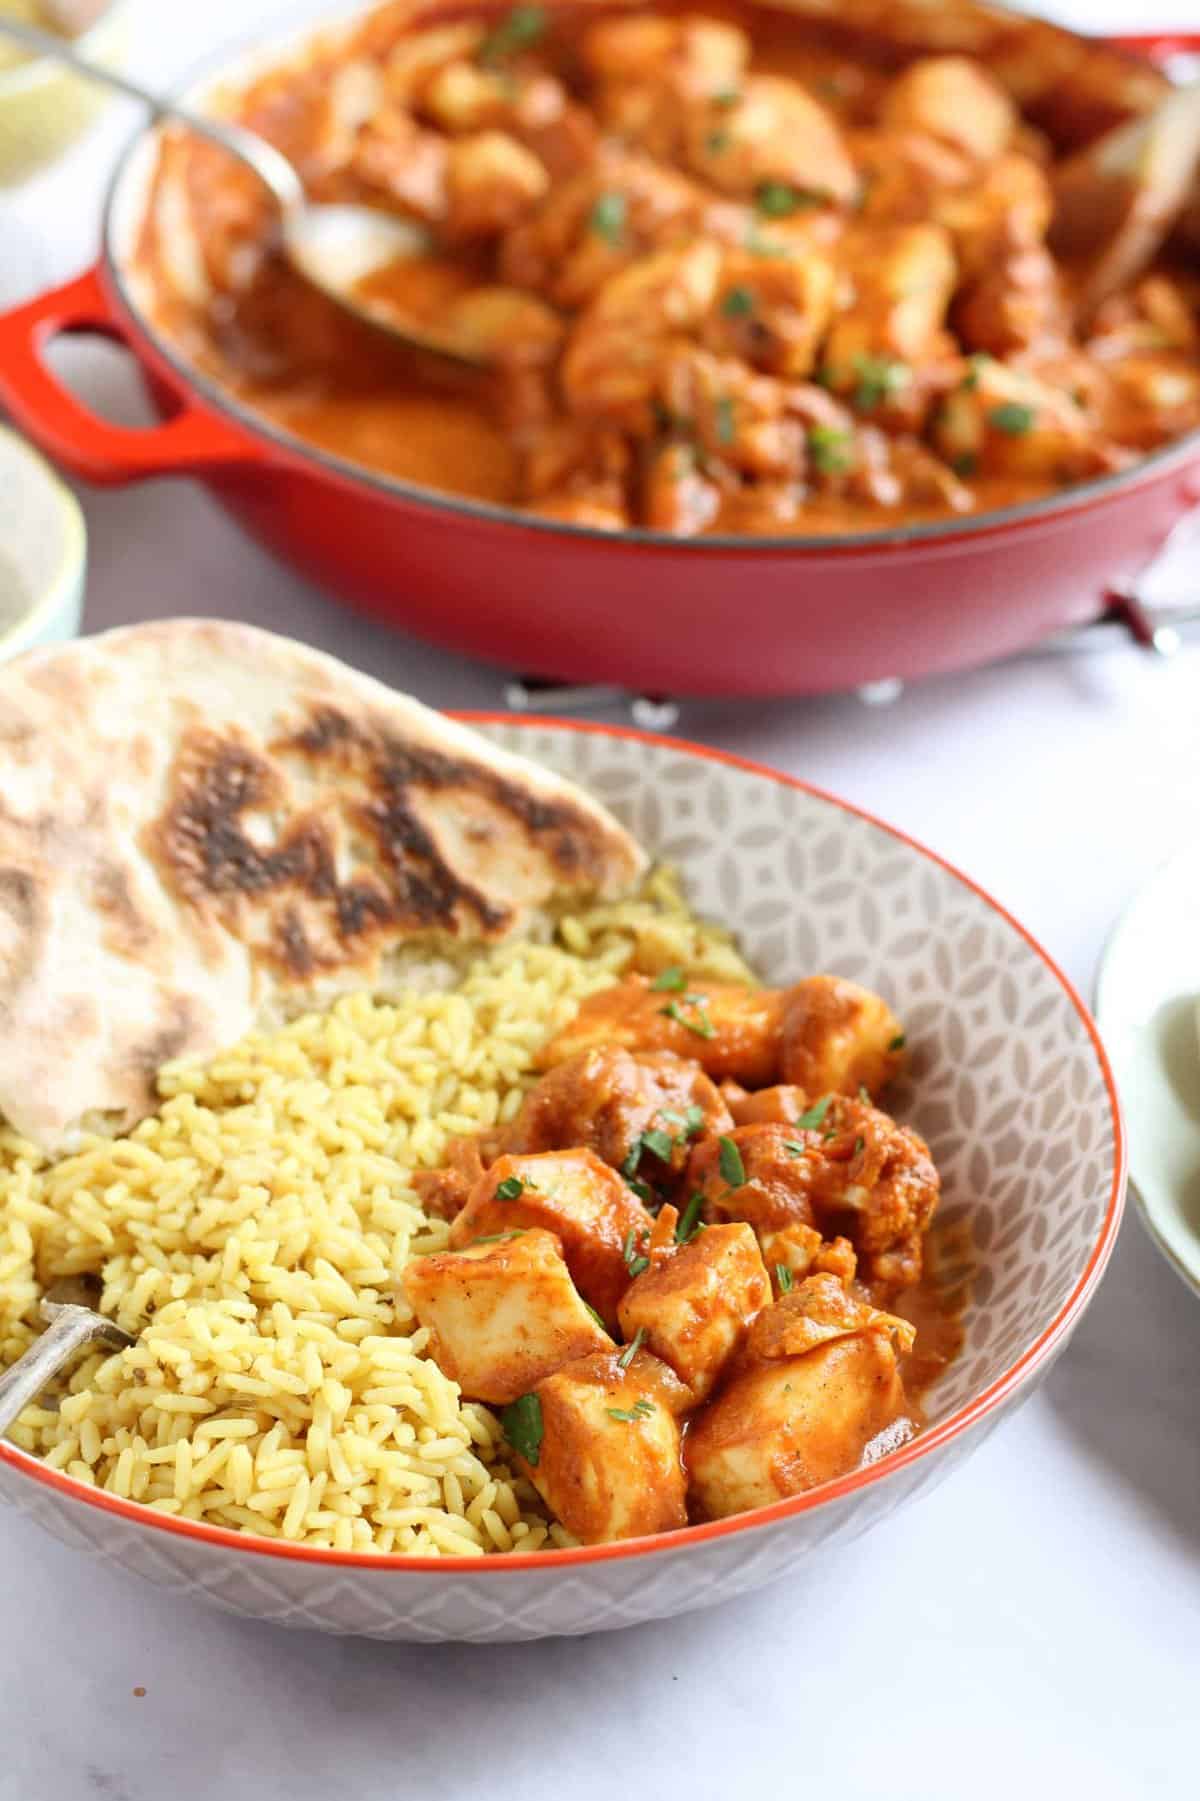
[728, 274]
[676, 1271]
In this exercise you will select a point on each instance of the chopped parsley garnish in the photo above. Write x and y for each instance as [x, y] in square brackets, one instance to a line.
[635, 1262]
[661, 1144]
[779, 199]
[783, 1277]
[686, 1124]
[733, 1170]
[643, 1190]
[1012, 418]
[737, 303]
[798, 1150]
[975, 365]
[723, 419]
[831, 450]
[511, 1189]
[640, 1410]
[523, 26]
[499, 1237]
[701, 1025]
[688, 1223]
[860, 1145]
[716, 142]
[522, 1425]
[657, 1142]
[632, 1348]
[967, 464]
[669, 981]
[815, 1117]
[879, 377]
[607, 218]
[898, 1042]
[726, 97]
[595, 1316]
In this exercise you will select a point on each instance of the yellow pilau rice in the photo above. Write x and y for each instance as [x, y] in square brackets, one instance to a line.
[252, 1233]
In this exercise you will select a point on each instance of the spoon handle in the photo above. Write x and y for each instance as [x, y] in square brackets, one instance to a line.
[271, 167]
[71, 1332]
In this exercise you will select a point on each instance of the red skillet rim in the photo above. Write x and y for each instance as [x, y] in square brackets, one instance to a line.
[1080, 497]
[548, 1563]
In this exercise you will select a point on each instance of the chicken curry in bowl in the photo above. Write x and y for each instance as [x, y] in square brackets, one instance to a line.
[730, 272]
[673, 1268]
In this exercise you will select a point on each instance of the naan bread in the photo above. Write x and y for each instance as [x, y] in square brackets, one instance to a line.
[203, 825]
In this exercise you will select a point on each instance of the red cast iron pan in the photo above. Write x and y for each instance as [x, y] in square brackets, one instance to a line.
[761, 616]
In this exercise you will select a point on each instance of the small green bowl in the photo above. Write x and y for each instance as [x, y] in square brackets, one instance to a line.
[43, 552]
[44, 107]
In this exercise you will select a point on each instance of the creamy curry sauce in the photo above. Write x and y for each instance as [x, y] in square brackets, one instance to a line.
[731, 278]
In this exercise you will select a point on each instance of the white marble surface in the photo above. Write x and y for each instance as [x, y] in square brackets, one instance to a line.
[1032, 1627]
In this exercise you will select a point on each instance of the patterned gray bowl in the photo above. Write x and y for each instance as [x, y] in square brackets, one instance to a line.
[1009, 1082]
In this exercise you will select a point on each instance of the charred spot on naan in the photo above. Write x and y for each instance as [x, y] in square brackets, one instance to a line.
[318, 852]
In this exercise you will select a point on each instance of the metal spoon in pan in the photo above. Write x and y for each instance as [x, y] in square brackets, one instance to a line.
[73, 1327]
[333, 247]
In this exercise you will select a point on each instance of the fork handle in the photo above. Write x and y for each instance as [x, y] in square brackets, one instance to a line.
[74, 1329]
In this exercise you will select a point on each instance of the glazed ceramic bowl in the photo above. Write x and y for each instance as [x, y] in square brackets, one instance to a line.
[1010, 1084]
[44, 107]
[659, 615]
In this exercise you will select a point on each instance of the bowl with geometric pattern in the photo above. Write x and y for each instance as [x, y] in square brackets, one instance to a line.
[1007, 1080]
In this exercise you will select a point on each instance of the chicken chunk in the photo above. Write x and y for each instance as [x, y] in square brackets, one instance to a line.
[503, 327]
[491, 182]
[1152, 398]
[1004, 421]
[735, 417]
[771, 139]
[638, 1113]
[444, 1191]
[502, 1313]
[402, 166]
[874, 1182]
[798, 1251]
[698, 54]
[611, 365]
[574, 468]
[599, 1220]
[765, 1175]
[886, 345]
[906, 174]
[1015, 305]
[695, 1303]
[782, 1105]
[677, 494]
[730, 1030]
[772, 311]
[789, 1424]
[608, 1464]
[839, 1038]
[955, 99]
[855, 1174]
[621, 208]
[815, 1312]
[1007, 208]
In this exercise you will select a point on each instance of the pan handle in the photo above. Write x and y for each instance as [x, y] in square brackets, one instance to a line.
[192, 440]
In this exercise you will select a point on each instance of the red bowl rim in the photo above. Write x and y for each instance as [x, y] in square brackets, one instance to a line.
[970, 1415]
[287, 447]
